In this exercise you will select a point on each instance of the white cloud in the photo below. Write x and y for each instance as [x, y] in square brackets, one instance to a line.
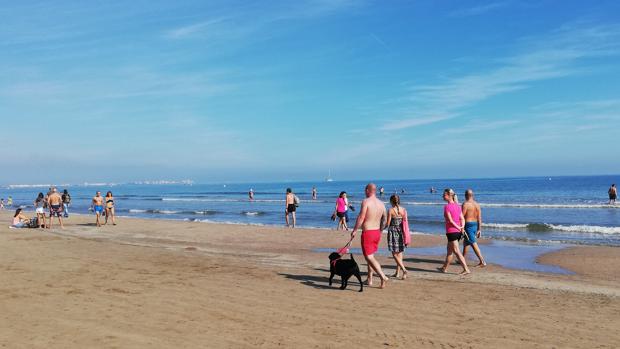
[552, 56]
[414, 122]
[480, 9]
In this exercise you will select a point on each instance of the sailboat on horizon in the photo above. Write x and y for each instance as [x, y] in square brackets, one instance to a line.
[329, 177]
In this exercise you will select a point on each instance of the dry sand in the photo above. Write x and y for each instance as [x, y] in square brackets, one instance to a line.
[164, 284]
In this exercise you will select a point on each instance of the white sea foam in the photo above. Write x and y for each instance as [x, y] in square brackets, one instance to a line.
[541, 227]
[518, 205]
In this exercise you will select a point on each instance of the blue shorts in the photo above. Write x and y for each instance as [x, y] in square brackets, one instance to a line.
[98, 209]
[471, 228]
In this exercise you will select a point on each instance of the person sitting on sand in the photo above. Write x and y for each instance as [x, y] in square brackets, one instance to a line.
[454, 230]
[473, 223]
[371, 219]
[20, 220]
[97, 204]
[613, 194]
[396, 235]
[290, 207]
[109, 208]
[341, 211]
[55, 205]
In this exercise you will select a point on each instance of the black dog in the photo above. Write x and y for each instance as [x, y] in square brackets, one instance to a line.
[345, 268]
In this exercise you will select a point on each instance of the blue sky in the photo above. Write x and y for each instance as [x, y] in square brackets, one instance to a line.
[260, 91]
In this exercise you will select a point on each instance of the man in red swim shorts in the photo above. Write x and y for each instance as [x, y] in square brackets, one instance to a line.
[371, 219]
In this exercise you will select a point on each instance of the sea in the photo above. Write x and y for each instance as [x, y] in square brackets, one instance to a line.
[548, 210]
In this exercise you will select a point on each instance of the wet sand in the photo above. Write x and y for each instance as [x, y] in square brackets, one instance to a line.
[162, 284]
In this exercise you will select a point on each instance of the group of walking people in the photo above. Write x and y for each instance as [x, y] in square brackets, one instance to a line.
[461, 222]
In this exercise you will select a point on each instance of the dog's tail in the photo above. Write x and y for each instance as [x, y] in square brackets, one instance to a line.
[352, 256]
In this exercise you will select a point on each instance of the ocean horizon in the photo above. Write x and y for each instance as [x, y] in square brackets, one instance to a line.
[561, 209]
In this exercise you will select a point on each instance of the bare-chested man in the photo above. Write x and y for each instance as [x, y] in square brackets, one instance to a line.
[371, 219]
[290, 207]
[98, 206]
[473, 223]
[54, 202]
[613, 194]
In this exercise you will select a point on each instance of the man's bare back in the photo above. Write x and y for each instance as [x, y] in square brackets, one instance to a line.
[375, 214]
[471, 211]
[55, 199]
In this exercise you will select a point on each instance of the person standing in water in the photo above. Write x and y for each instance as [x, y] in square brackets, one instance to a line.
[341, 211]
[109, 208]
[251, 194]
[314, 193]
[396, 234]
[55, 204]
[613, 194]
[454, 229]
[97, 204]
[66, 201]
[381, 191]
[371, 219]
[9, 201]
[290, 207]
[473, 224]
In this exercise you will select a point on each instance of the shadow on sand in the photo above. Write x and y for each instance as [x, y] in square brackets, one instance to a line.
[321, 282]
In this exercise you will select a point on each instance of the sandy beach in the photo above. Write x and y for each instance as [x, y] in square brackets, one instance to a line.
[164, 284]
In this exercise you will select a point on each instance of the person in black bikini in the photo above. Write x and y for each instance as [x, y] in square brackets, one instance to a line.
[290, 207]
[109, 208]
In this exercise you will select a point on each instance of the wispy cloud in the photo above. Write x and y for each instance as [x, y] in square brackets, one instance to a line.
[480, 9]
[478, 126]
[555, 55]
[240, 23]
[414, 122]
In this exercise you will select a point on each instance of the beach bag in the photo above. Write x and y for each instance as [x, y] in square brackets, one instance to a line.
[406, 232]
[296, 201]
[34, 223]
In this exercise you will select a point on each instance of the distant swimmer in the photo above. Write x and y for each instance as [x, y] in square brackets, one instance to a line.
[473, 224]
[432, 190]
[402, 191]
[97, 204]
[381, 191]
[290, 207]
[613, 194]
[454, 230]
[314, 193]
[371, 219]
[55, 205]
[251, 194]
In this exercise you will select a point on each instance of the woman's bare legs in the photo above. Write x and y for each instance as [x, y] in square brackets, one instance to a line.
[398, 258]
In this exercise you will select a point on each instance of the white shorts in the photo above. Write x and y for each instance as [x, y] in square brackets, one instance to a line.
[40, 210]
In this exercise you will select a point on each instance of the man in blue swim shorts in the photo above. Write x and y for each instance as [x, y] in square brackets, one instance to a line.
[98, 206]
[473, 223]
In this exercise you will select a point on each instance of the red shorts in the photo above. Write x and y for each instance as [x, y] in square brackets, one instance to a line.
[370, 241]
